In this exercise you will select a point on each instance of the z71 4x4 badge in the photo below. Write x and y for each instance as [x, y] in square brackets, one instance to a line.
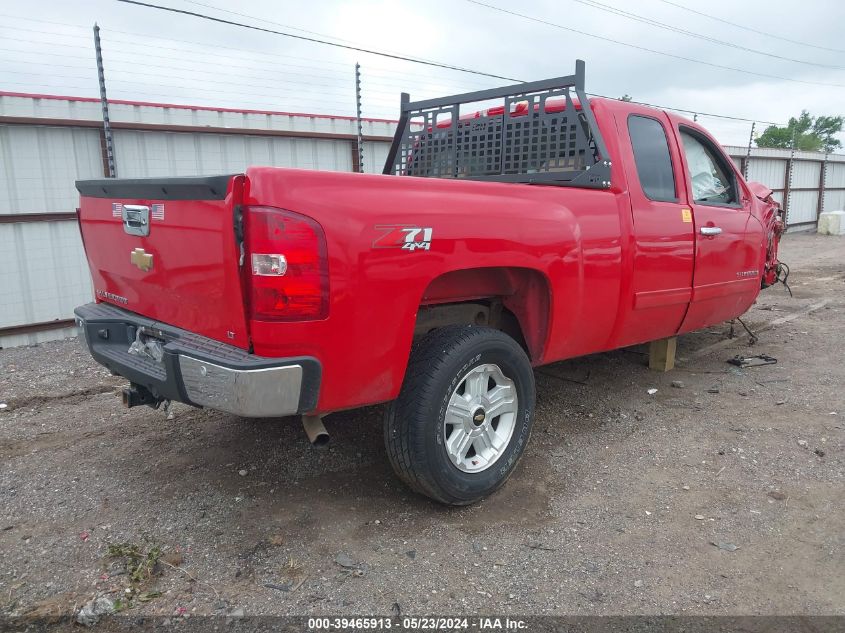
[409, 238]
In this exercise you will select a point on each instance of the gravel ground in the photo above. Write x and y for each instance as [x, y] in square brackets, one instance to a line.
[723, 495]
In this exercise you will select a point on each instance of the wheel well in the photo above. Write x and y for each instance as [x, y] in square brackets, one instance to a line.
[513, 300]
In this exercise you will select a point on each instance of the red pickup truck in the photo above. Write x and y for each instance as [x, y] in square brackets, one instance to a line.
[547, 227]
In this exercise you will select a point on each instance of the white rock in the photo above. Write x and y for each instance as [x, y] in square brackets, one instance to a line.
[91, 612]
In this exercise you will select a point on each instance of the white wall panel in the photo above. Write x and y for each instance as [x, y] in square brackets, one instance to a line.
[43, 273]
[770, 172]
[835, 175]
[39, 165]
[834, 200]
[806, 173]
[154, 154]
[803, 207]
[375, 154]
[164, 114]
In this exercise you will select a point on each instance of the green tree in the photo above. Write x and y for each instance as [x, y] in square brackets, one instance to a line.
[625, 97]
[811, 134]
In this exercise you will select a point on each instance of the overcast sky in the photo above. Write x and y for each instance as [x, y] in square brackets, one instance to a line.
[151, 55]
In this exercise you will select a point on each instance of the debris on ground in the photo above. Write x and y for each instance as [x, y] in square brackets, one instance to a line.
[652, 391]
[728, 547]
[540, 546]
[777, 495]
[752, 361]
[678, 384]
[346, 561]
[350, 565]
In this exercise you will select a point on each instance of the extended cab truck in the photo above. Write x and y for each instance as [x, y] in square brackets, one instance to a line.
[547, 228]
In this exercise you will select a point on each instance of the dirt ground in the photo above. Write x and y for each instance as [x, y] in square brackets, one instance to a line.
[723, 495]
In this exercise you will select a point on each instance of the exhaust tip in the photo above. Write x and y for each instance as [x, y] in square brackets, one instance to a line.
[314, 429]
[321, 440]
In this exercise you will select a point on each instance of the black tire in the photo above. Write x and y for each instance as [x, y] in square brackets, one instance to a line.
[414, 428]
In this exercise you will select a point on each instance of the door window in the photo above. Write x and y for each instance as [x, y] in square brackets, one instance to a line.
[712, 181]
[651, 155]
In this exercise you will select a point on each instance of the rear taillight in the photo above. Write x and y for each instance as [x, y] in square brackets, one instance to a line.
[288, 268]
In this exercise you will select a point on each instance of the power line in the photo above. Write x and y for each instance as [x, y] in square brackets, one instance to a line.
[268, 21]
[721, 116]
[315, 40]
[288, 26]
[641, 48]
[662, 25]
[698, 112]
[216, 46]
[778, 37]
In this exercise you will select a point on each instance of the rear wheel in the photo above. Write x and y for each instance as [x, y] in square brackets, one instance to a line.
[464, 414]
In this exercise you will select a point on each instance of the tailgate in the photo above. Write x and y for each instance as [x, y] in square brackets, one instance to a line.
[165, 248]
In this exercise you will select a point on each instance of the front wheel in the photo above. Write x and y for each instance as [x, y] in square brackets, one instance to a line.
[464, 414]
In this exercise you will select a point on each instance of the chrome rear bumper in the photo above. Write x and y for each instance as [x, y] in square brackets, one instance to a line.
[252, 393]
[198, 370]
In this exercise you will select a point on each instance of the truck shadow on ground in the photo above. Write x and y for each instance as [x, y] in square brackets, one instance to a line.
[346, 486]
[269, 476]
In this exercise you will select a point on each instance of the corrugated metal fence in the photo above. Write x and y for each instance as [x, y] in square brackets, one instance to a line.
[47, 142]
[805, 183]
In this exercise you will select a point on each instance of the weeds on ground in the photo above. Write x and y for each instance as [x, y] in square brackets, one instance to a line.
[141, 564]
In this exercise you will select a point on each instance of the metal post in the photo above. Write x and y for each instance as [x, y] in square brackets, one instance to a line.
[822, 183]
[788, 185]
[105, 103]
[360, 140]
[748, 152]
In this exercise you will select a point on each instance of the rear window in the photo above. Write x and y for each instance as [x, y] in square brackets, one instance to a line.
[651, 155]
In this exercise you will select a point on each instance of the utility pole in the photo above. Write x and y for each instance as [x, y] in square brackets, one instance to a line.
[360, 140]
[107, 136]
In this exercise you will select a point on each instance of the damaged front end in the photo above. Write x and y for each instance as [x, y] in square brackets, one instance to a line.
[770, 215]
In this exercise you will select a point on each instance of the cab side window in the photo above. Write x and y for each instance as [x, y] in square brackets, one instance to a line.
[651, 156]
[712, 180]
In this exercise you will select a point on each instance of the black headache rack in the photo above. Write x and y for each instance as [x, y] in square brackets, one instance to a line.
[532, 140]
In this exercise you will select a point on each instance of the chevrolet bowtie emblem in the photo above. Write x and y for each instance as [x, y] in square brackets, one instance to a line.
[141, 259]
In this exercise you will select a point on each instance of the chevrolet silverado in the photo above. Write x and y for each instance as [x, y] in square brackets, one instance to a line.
[548, 226]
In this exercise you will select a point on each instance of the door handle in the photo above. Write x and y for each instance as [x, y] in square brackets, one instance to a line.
[710, 230]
